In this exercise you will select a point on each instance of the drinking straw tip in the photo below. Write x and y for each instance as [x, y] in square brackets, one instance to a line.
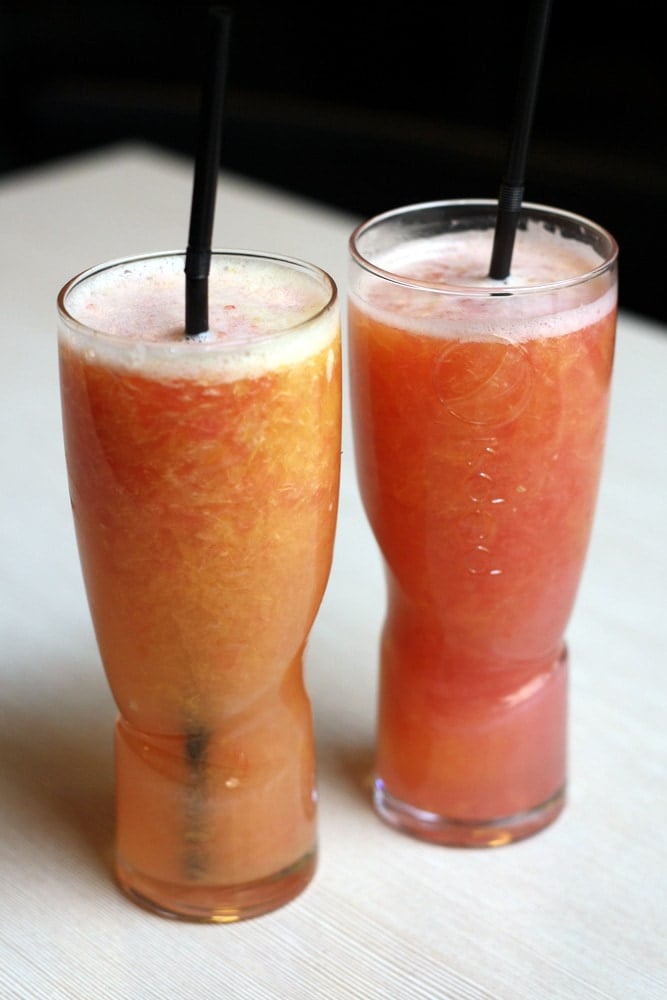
[207, 163]
[511, 189]
[509, 210]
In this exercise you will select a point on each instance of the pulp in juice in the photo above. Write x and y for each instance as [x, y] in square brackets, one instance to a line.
[479, 431]
[204, 486]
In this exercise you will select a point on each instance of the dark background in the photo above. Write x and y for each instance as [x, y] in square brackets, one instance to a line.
[362, 106]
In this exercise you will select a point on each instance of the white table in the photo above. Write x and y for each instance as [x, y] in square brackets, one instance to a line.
[579, 911]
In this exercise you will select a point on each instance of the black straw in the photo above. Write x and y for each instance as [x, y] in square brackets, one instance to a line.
[511, 187]
[207, 164]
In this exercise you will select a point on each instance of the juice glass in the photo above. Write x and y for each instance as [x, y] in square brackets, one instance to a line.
[479, 412]
[204, 482]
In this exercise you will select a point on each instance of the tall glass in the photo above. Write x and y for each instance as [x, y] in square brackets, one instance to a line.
[479, 413]
[204, 483]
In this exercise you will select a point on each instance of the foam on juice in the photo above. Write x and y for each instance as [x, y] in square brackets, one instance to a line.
[465, 303]
[263, 314]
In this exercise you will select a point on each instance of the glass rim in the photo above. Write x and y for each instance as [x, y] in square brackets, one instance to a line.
[82, 328]
[488, 291]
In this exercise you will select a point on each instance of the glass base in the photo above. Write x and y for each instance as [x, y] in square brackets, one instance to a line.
[217, 904]
[462, 832]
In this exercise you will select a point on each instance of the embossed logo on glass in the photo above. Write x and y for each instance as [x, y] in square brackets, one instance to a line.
[484, 385]
[487, 382]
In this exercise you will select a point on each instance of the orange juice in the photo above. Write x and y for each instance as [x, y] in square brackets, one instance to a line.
[204, 484]
[479, 429]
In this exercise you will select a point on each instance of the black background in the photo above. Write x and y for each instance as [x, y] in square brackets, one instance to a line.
[362, 106]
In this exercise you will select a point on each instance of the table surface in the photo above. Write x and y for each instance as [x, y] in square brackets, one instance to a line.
[578, 911]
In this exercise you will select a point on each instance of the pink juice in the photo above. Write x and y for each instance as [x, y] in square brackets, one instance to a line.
[479, 431]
